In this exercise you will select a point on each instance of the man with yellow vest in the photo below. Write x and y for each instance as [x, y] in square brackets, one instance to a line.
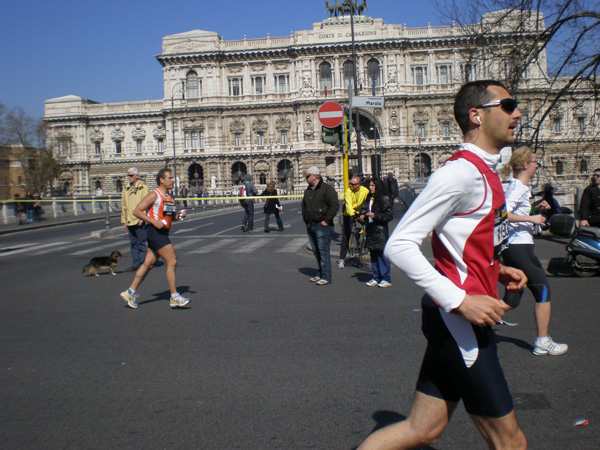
[354, 197]
[133, 193]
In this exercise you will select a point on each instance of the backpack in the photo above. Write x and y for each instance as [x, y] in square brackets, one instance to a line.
[242, 190]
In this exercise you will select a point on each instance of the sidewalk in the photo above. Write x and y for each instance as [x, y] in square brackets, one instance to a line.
[53, 222]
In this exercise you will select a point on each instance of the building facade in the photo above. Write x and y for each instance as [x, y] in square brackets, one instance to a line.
[250, 106]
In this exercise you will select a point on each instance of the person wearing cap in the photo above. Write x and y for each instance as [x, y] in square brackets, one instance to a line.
[133, 193]
[319, 207]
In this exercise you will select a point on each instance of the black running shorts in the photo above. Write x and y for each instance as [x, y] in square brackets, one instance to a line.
[156, 238]
[448, 372]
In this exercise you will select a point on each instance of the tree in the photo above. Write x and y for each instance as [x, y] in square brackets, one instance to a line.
[27, 137]
[566, 30]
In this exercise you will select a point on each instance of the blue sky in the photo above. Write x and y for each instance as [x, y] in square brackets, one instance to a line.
[105, 50]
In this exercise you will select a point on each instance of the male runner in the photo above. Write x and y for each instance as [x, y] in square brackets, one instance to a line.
[157, 209]
[463, 204]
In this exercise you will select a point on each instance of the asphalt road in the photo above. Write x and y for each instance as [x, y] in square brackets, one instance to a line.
[262, 358]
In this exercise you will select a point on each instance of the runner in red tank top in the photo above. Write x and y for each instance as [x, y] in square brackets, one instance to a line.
[158, 209]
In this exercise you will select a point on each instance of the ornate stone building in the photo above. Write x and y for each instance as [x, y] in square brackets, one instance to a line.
[250, 105]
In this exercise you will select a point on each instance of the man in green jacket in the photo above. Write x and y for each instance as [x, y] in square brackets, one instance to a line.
[319, 207]
[133, 193]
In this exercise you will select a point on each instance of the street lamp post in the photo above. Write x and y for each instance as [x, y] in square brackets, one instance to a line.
[107, 216]
[177, 88]
[350, 7]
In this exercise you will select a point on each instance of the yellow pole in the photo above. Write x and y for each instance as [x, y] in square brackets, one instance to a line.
[346, 151]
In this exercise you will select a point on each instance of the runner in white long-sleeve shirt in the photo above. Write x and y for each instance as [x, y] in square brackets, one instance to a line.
[463, 206]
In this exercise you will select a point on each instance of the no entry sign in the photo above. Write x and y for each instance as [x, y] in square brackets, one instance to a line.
[331, 114]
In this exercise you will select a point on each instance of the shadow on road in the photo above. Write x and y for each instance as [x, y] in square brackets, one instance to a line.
[384, 418]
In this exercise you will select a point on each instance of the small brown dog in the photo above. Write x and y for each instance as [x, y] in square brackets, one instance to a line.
[102, 262]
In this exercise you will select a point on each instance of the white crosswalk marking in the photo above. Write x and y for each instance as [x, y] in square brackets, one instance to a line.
[113, 244]
[198, 244]
[292, 246]
[253, 245]
[215, 245]
[187, 230]
[20, 248]
[65, 246]
[49, 248]
[186, 244]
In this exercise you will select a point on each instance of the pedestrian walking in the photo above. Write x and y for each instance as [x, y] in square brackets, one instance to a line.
[391, 188]
[319, 207]
[247, 189]
[158, 210]
[463, 206]
[520, 250]
[376, 213]
[19, 209]
[29, 206]
[272, 206]
[133, 193]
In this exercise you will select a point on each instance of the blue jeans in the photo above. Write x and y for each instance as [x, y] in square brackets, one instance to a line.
[279, 221]
[248, 221]
[137, 241]
[320, 242]
[380, 266]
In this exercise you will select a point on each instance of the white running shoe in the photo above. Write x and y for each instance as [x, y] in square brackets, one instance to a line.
[315, 279]
[372, 283]
[178, 300]
[384, 284]
[341, 264]
[130, 299]
[546, 346]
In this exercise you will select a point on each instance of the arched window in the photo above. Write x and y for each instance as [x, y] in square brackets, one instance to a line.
[238, 171]
[559, 167]
[422, 165]
[325, 77]
[192, 85]
[373, 72]
[348, 74]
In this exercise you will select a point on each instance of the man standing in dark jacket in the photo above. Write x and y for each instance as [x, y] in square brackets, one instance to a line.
[248, 204]
[319, 207]
[589, 208]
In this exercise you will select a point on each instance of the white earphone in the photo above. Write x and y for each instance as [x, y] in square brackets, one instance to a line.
[478, 119]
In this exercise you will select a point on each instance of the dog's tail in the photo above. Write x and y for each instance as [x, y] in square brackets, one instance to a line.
[88, 268]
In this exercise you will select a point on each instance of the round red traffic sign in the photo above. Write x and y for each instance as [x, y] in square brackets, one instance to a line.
[331, 114]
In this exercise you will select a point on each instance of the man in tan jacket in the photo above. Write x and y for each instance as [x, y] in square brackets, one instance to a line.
[133, 193]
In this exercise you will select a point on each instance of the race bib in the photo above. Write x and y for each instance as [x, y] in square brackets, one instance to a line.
[169, 208]
[500, 231]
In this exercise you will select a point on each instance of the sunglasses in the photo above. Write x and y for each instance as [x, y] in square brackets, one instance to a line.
[507, 104]
[130, 175]
[353, 184]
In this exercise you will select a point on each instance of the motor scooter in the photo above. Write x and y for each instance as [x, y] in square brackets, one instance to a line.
[559, 219]
[583, 251]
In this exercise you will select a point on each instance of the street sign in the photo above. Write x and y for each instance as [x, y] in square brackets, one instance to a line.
[367, 102]
[331, 114]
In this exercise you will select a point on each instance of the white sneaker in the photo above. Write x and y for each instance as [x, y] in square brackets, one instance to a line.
[178, 300]
[315, 279]
[341, 264]
[385, 284]
[130, 299]
[548, 347]
[371, 283]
